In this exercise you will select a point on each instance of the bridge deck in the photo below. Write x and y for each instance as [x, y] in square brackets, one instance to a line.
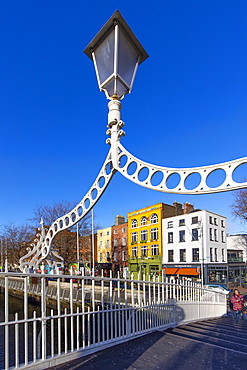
[211, 344]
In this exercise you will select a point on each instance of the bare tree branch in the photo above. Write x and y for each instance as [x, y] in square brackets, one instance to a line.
[14, 242]
[239, 206]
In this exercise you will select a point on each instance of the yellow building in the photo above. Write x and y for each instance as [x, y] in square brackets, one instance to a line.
[145, 238]
[104, 245]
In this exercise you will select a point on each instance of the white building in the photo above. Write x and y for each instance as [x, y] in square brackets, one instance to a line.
[237, 248]
[194, 245]
[237, 258]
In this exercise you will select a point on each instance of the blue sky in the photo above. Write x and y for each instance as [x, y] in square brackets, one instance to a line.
[188, 106]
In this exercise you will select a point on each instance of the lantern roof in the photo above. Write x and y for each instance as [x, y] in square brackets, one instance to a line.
[106, 29]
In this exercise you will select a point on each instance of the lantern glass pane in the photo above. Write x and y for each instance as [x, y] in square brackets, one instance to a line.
[110, 87]
[104, 55]
[121, 90]
[116, 87]
[127, 58]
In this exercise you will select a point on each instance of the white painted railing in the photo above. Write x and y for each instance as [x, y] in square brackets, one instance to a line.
[91, 314]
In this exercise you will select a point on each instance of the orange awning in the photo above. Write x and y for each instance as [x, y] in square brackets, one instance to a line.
[170, 270]
[187, 272]
[181, 271]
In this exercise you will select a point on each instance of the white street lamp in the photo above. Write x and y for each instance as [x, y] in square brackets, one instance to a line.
[116, 54]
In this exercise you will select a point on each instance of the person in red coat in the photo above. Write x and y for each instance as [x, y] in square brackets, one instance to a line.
[237, 305]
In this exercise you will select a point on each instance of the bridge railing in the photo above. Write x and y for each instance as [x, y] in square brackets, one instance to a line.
[73, 318]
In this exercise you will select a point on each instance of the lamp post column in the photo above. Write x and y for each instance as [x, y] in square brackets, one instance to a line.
[115, 124]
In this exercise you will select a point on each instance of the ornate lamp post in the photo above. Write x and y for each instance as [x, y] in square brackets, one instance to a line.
[116, 54]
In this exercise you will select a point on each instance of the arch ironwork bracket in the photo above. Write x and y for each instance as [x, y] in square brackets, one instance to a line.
[142, 173]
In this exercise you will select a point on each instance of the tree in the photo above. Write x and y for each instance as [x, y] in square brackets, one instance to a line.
[239, 206]
[66, 240]
[49, 213]
[14, 242]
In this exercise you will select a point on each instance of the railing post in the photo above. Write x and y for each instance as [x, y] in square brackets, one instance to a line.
[71, 314]
[25, 318]
[6, 314]
[43, 313]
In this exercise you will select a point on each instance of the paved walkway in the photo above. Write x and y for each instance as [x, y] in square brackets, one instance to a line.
[211, 344]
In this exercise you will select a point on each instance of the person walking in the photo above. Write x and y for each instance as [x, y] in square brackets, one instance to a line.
[237, 301]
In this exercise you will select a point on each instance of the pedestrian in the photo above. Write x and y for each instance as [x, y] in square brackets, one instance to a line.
[237, 301]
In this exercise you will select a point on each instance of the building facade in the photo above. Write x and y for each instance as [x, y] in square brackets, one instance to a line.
[119, 246]
[145, 238]
[104, 250]
[194, 245]
[237, 258]
[88, 251]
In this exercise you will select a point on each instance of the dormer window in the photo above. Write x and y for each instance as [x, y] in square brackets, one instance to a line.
[143, 221]
[134, 224]
[154, 218]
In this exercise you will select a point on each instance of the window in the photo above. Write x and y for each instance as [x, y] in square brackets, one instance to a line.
[223, 255]
[124, 230]
[195, 254]
[215, 221]
[144, 250]
[223, 236]
[194, 234]
[124, 256]
[108, 233]
[170, 237]
[182, 236]
[215, 254]
[211, 255]
[170, 255]
[181, 222]
[115, 242]
[100, 244]
[134, 252]
[115, 256]
[154, 270]
[115, 231]
[100, 234]
[194, 220]
[211, 234]
[144, 235]
[169, 224]
[107, 243]
[100, 257]
[143, 221]
[154, 250]
[216, 235]
[154, 233]
[134, 237]
[123, 241]
[154, 218]
[222, 223]
[211, 220]
[182, 253]
[134, 224]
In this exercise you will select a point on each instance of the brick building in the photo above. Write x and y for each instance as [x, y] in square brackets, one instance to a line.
[119, 246]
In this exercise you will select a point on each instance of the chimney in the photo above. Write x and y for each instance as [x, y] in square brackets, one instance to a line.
[188, 207]
[119, 220]
[178, 207]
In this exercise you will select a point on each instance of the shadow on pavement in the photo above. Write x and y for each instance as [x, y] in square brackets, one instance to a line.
[123, 356]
